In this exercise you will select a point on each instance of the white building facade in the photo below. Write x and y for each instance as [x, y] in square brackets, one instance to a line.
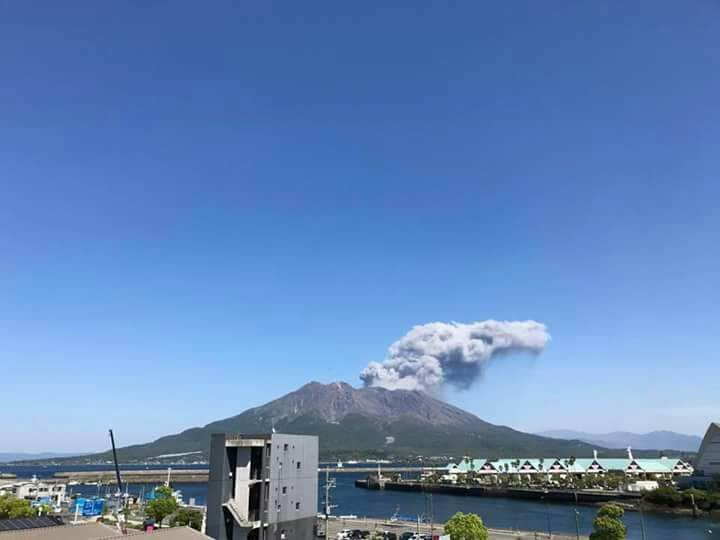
[708, 458]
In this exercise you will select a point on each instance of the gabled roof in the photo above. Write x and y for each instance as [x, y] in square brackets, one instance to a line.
[578, 466]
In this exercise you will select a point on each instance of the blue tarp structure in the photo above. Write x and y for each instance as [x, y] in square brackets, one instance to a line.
[88, 507]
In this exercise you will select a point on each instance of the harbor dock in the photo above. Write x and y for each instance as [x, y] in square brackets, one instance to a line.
[553, 495]
[134, 476]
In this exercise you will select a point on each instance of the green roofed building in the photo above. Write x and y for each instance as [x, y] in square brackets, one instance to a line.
[636, 467]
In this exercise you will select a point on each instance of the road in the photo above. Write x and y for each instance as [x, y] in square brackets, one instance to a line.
[398, 527]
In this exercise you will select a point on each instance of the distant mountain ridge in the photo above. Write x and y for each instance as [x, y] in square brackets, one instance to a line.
[17, 456]
[655, 440]
[363, 422]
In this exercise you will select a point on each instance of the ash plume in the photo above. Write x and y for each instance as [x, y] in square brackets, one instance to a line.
[433, 355]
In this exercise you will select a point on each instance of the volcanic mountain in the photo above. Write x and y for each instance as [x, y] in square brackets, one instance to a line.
[362, 422]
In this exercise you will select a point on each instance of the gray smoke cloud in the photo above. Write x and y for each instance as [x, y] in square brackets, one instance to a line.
[436, 354]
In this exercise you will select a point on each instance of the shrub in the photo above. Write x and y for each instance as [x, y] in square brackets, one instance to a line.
[466, 527]
[608, 524]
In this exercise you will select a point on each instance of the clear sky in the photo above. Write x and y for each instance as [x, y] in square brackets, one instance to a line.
[205, 205]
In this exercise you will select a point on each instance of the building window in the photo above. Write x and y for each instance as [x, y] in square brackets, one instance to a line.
[297, 506]
[297, 465]
[285, 447]
[284, 490]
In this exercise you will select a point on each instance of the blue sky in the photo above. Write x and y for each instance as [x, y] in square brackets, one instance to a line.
[203, 207]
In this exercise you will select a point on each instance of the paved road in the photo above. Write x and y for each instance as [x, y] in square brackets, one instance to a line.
[398, 527]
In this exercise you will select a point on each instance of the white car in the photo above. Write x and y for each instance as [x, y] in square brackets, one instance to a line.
[344, 534]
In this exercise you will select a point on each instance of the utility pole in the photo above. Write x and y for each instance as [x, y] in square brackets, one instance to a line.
[642, 522]
[329, 484]
[577, 517]
[577, 524]
[547, 514]
[432, 518]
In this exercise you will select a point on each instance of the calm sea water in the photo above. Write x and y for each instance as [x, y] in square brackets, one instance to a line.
[496, 512]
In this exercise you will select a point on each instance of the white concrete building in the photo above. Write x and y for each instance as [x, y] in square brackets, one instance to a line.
[36, 490]
[708, 458]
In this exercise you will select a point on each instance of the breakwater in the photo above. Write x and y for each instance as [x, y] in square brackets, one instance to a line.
[555, 495]
[135, 476]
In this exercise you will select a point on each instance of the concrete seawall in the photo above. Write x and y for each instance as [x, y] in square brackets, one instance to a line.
[135, 477]
[556, 495]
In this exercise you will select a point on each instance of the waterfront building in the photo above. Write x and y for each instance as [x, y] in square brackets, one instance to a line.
[262, 487]
[663, 468]
[707, 461]
[34, 490]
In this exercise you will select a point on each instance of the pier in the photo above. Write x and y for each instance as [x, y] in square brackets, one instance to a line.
[135, 476]
[195, 475]
[549, 495]
[340, 470]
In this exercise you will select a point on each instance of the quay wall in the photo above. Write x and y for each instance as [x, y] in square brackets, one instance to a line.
[555, 495]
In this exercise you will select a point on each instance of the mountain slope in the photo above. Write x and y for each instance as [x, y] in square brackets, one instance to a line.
[655, 440]
[365, 421]
[17, 456]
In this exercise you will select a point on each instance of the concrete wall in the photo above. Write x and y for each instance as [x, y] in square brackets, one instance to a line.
[708, 459]
[242, 480]
[288, 473]
[219, 487]
[293, 478]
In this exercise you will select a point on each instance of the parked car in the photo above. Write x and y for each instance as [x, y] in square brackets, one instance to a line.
[343, 534]
[389, 536]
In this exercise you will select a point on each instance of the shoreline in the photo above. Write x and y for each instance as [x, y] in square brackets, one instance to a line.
[630, 502]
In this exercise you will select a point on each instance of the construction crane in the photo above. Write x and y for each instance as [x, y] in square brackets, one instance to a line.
[122, 525]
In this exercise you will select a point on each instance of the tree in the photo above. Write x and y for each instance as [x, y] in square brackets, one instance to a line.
[611, 510]
[608, 524]
[12, 507]
[466, 527]
[43, 509]
[162, 505]
[188, 517]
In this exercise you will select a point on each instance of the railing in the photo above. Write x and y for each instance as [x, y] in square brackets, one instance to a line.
[252, 518]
